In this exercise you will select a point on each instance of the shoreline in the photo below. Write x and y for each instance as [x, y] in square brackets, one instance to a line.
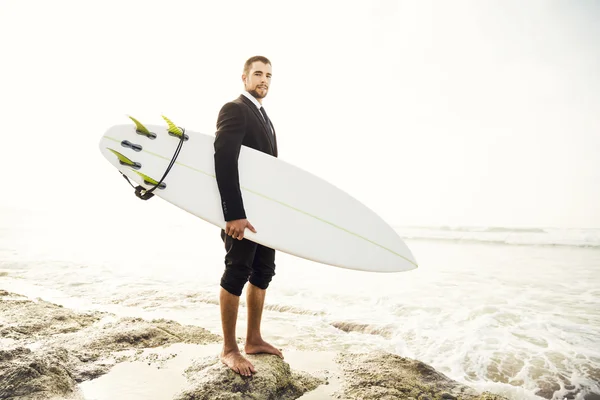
[49, 352]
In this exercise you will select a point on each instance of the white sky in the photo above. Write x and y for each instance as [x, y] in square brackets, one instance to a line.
[460, 113]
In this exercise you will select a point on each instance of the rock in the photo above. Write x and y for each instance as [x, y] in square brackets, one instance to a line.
[346, 326]
[32, 375]
[30, 321]
[4, 293]
[211, 380]
[93, 345]
[385, 376]
[130, 333]
[72, 347]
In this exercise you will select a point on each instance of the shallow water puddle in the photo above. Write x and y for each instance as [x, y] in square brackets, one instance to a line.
[158, 374]
[318, 363]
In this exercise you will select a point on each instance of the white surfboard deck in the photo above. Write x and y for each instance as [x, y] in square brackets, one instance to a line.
[292, 210]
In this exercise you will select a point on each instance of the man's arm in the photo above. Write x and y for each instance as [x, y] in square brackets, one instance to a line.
[228, 142]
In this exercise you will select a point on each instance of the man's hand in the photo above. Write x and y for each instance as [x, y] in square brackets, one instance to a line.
[236, 228]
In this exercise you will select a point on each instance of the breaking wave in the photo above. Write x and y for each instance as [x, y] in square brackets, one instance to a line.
[506, 235]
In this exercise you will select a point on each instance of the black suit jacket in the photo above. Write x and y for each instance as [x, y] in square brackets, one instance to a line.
[239, 123]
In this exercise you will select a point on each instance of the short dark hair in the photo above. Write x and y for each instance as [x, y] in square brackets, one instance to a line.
[251, 60]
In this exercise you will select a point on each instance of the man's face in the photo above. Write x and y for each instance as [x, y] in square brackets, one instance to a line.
[258, 79]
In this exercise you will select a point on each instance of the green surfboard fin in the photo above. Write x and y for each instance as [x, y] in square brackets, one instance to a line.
[173, 129]
[150, 181]
[141, 129]
[124, 160]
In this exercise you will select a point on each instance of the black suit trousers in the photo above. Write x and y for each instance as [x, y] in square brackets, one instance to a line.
[246, 261]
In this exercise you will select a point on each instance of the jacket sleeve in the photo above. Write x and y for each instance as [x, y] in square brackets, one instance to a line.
[231, 128]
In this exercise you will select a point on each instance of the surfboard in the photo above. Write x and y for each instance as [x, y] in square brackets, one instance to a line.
[291, 209]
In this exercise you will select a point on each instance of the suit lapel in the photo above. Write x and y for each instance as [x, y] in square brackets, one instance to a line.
[259, 116]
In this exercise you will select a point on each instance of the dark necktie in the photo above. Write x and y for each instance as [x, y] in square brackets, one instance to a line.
[269, 129]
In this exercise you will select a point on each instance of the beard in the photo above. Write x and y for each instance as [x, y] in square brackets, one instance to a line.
[256, 95]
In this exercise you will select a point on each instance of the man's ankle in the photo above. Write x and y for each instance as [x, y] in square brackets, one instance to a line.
[254, 339]
[231, 349]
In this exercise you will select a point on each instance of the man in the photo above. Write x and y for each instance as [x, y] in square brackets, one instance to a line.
[243, 122]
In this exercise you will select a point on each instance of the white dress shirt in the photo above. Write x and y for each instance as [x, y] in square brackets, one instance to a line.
[253, 100]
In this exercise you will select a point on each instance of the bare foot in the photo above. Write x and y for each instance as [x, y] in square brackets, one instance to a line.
[238, 363]
[261, 347]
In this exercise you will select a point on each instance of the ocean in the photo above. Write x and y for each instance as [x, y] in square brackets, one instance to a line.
[515, 311]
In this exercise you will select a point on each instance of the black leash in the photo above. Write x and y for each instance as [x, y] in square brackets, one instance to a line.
[141, 191]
